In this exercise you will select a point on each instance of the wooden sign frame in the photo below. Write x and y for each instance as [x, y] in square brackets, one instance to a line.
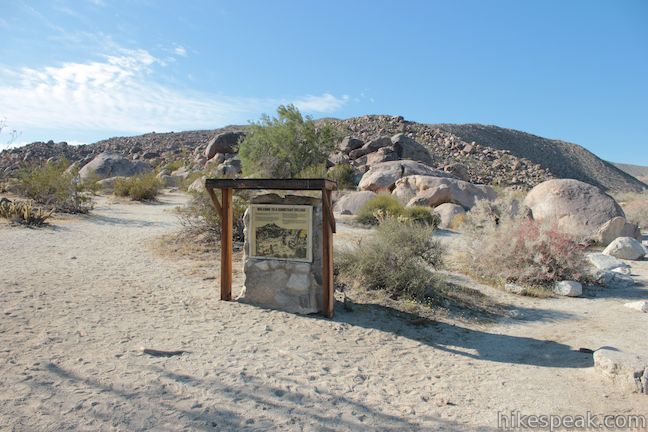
[224, 210]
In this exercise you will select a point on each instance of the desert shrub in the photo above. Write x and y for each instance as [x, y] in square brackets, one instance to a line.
[343, 175]
[399, 258]
[142, 187]
[457, 222]
[174, 165]
[51, 186]
[523, 251]
[284, 146]
[314, 171]
[383, 205]
[200, 221]
[91, 183]
[420, 215]
[24, 213]
[485, 213]
[192, 177]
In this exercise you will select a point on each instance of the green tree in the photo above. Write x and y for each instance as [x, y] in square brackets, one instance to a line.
[286, 145]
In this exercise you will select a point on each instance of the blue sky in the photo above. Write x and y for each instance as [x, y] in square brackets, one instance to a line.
[83, 70]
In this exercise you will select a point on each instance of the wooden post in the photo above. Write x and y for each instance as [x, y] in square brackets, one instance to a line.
[226, 244]
[328, 298]
[214, 200]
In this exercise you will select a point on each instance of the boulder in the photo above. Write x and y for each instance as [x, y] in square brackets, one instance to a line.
[384, 154]
[349, 144]
[225, 142]
[351, 202]
[371, 147]
[108, 184]
[182, 172]
[457, 170]
[72, 168]
[383, 176]
[625, 248]
[640, 306]
[448, 212]
[434, 191]
[617, 227]
[170, 180]
[218, 159]
[627, 371]
[337, 159]
[228, 168]
[606, 262]
[613, 279]
[568, 288]
[106, 165]
[407, 148]
[577, 207]
[198, 185]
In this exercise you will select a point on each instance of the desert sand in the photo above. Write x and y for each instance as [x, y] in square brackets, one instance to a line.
[80, 298]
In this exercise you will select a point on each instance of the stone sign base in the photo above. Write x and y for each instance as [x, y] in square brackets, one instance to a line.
[285, 285]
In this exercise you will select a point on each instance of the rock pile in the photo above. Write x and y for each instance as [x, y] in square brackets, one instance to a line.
[153, 148]
[382, 138]
[370, 141]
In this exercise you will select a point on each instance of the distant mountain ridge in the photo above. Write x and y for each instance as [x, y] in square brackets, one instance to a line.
[638, 171]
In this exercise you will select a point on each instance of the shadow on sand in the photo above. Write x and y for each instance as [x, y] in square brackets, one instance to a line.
[636, 292]
[244, 401]
[109, 220]
[238, 406]
[467, 342]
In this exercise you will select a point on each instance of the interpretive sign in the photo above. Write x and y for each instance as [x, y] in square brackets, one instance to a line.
[282, 232]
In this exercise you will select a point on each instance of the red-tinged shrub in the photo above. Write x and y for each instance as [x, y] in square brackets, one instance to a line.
[525, 252]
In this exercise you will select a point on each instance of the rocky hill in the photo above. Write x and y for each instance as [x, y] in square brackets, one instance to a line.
[480, 154]
[563, 159]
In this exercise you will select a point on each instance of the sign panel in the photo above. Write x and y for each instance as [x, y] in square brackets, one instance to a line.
[282, 232]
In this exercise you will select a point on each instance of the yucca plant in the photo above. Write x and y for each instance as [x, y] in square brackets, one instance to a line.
[24, 213]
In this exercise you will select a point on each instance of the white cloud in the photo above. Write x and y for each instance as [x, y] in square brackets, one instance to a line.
[120, 93]
[181, 51]
[323, 103]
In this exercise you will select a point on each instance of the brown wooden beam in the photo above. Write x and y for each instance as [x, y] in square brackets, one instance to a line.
[328, 298]
[274, 184]
[226, 244]
[214, 200]
[327, 208]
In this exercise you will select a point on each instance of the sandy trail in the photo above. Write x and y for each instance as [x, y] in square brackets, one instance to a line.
[79, 299]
